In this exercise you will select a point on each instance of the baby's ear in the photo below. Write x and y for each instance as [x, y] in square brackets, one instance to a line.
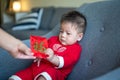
[80, 36]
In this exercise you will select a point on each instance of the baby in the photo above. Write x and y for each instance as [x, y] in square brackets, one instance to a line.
[63, 51]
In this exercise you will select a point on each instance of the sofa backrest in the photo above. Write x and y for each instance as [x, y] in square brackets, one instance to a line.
[58, 12]
[51, 16]
[101, 47]
[47, 16]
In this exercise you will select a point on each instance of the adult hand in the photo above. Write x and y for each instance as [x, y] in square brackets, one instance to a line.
[21, 51]
[14, 46]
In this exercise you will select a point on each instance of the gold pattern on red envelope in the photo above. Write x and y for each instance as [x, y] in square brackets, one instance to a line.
[38, 46]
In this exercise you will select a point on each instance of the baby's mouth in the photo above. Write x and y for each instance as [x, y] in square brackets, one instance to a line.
[62, 40]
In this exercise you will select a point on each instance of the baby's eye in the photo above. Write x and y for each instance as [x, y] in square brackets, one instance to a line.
[61, 31]
[68, 33]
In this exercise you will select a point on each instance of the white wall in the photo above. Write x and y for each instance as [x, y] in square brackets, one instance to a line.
[60, 3]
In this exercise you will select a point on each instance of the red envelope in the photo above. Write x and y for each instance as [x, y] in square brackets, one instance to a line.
[38, 46]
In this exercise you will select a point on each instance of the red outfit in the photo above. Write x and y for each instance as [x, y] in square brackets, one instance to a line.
[68, 56]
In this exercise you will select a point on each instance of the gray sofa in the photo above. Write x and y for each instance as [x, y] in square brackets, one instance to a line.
[100, 58]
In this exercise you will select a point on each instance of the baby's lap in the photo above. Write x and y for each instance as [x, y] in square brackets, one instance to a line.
[33, 70]
[43, 67]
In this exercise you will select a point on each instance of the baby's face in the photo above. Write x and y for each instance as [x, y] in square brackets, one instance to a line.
[68, 34]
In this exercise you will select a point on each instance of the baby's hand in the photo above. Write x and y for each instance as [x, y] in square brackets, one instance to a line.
[38, 61]
[50, 53]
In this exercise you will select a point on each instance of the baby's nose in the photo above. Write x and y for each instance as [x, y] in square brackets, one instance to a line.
[64, 34]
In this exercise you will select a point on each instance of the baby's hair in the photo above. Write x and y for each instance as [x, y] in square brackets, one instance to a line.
[76, 18]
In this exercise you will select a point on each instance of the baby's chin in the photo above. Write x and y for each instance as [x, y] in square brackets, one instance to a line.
[63, 43]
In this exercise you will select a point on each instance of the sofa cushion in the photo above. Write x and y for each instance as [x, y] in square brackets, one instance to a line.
[29, 21]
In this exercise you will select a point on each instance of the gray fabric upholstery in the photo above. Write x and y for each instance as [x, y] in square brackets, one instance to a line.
[101, 47]
[58, 12]
[112, 75]
[47, 16]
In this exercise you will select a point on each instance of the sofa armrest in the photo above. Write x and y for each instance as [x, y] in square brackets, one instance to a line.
[113, 75]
